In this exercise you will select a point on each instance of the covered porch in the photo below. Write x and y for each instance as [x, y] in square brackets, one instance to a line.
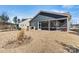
[53, 25]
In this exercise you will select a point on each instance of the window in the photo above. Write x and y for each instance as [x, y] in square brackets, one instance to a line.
[32, 27]
[39, 24]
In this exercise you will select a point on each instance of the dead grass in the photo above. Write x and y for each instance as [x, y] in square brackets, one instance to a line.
[68, 48]
[39, 41]
[21, 39]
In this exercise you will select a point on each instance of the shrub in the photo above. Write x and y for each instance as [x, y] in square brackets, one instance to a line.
[20, 40]
[20, 36]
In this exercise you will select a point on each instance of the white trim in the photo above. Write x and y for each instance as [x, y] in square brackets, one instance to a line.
[49, 25]
[38, 25]
[68, 24]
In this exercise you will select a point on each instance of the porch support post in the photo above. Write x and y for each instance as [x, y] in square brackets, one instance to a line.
[38, 25]
[56, 24]
[68, 25]
[49, 25]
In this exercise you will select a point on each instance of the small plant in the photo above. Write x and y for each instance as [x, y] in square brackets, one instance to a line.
[21, 39]
[20, 36]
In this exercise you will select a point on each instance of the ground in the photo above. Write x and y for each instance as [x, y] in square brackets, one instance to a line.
[42, 42]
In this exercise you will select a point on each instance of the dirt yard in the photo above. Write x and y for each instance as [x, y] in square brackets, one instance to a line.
[41, 42]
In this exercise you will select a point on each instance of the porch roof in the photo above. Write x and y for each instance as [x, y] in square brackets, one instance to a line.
[66, 15]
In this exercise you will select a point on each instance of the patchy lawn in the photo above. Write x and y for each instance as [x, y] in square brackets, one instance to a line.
[40, 42]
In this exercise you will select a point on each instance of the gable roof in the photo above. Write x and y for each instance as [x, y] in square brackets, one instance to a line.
[57, 13]
[27, 20]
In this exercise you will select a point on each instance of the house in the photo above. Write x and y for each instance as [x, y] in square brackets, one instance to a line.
[7, 26]
[48, 21]
[25, 24]
[74, 27]
[51, 21]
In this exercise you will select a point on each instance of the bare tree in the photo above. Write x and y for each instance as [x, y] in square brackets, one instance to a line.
[15, 19]
[4, 17]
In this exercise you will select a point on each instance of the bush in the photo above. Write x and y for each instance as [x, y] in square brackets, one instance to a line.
[20, 36]
[20, 40]
[19, 28]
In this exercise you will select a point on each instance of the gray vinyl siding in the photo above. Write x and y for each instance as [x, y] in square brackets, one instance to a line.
[45, 17]
[42, 17]
[34, 22]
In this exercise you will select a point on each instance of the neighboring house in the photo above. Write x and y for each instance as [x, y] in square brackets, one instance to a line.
[25, 24]
[7, 25]
[51, 21]
[74, 27]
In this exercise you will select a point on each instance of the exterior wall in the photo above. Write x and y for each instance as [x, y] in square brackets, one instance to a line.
[45, 18]
[34, 24]
[36, 20]
[25, 24]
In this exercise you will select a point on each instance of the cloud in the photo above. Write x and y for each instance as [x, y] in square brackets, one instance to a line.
[68, 6]
[61, 11]
[55, 10]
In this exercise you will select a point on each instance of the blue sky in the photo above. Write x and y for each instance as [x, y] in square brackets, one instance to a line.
[27, 11]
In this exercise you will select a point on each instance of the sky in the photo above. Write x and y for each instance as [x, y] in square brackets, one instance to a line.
[29, 11]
